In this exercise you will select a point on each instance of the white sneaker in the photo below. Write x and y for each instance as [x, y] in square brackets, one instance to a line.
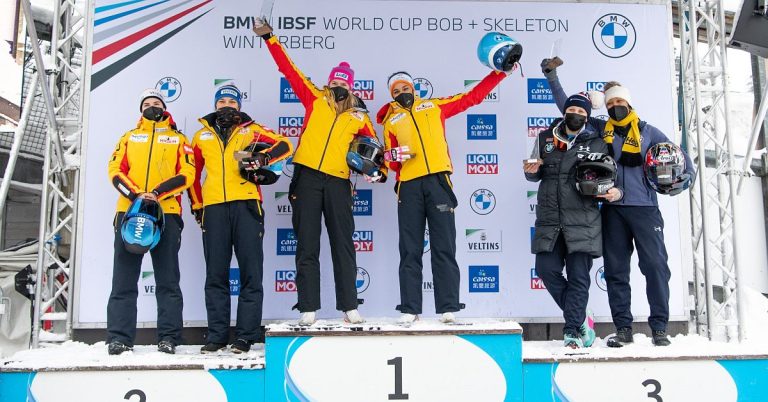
[447, 318]
[307, 318]
[407, 318]
[353, 317]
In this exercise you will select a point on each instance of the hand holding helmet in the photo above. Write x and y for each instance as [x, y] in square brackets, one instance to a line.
[398, 154]
[255, 165]
[499, 52]
[142, 225]
[374, 177]
[254, 162]
[365, 155]
[664, 169]
[596, 176]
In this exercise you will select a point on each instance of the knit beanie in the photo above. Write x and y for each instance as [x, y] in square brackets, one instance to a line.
[228, 91]
[581, 100]
[342, 72]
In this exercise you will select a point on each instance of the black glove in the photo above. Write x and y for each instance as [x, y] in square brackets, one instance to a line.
[254, 162]
[198, 213]
[549, 67]
[684, 181]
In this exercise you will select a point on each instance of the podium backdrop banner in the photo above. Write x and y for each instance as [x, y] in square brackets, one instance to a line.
[186, 48]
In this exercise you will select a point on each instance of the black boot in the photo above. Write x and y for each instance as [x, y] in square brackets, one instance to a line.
[117, 347]
[623, 336]
[241, 346]
[167, 347]
[660, 338]
[211, 347]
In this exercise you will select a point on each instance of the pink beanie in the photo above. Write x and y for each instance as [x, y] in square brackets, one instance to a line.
[342, 72]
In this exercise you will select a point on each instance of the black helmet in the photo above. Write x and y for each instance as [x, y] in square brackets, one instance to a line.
[142, 225]
[664, 166]
[264, 175]
[365, 155]
[595, 174]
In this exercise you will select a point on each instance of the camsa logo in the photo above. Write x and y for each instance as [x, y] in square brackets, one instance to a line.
[482, 201]
[533, 201]
[290, 126]
[484, 279]
[363, 280]
[614, 35]
[492, 96]
[481, 126]
[234, 281]
[538, 124]
[598, 86]
[539, 91]
[600, 279]
[170, 88]
[286, 242]
[282, 204]
[285, 281]
[363, 240]
[482, 164]
[423, 88]
[363, 89]
[286, 92]
[363, 203]
[536, 282]
[483, 241]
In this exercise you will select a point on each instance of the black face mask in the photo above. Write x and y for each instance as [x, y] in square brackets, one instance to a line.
[618, 113]
[575, 121]
[405, 99]
[153, 113]
[227, 117]
[340, 93]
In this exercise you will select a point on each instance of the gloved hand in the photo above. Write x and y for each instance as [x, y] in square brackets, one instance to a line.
[254, 162]
[198, 213]
[398, 154]
[684, 182]
[549, 67]
[262, 28]
[375, 177]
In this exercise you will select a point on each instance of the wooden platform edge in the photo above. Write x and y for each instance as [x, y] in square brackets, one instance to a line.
[169, 367]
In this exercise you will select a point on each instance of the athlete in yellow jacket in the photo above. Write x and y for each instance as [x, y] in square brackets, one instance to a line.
[152, 161]
[417, 149]
[320, 185]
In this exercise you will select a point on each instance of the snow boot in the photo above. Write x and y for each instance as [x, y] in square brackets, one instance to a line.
[660, 338]
[166, 347]
[623, 336]
[572, 340]
[448, 318]
[117, 347]
[241, 346]
[406, 318]
[307, 318]
[353, 317]
[213, 347]
[587, 330]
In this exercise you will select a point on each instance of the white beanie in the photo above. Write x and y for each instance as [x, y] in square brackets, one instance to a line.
[152, 93]
[399, 77]
[618, 92]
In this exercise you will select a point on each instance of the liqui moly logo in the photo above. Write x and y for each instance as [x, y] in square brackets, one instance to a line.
[363, 89]
[363, 240]
[538, 124]
[482, 164]
[290, 126]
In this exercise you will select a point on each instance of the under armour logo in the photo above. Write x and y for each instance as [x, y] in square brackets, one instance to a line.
[583, 148]
[657, 228]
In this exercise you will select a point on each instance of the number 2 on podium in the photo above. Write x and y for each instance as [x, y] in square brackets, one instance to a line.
[398, 395]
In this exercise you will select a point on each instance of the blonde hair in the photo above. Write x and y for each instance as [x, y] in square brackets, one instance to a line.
[343, 106]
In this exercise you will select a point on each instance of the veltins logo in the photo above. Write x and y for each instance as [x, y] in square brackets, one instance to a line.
[481, 126]
[170, 87]
[539, 91]
[363, 202]
[533, 201]
[600, 279]
[492, 96]
[482, 201]
[363, 89]
[285, 281]
[483, 240]
[234, 281]
[614, 35]
[290, 126]
[484, 279]
[148, 283]
[536, 282]
[426, 241]
[427, 287]
[423, 88]
[538, 124]
[363, 280]
[286, 242]
[243, 85]
[363, 240]
[282, 204]
[596, 86]
[286, 92]
[482, 164]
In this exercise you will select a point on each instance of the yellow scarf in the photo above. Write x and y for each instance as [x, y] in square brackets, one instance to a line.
[630, 151]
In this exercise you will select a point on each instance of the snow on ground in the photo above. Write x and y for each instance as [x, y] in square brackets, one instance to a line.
[10, 85]
[389, 324]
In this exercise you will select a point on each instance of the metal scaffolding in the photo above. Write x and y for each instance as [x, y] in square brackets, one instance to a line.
[706, 112]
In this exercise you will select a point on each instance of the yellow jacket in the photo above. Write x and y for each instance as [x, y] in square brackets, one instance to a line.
[223, 181]
[153, 157]
[326, 136]
[422, 128]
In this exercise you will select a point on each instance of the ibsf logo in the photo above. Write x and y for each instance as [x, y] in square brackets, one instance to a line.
[423, 88]
[363, 280]
[363, 240]
[600, 279]
[538, 124]
[286, 92]
[533, 201]
[483, 241]
[482, 201]
[539, 91]
[148, 283]
[234, 281]
[481, 126]
[285, 281]
[363, 89]
[483, 278]
[286, 242]
[170, 88]
[363, 202]
[290, 126]
[614, 35]
[598, 86]
[536, 282]
[282, 204]
[482, 164]
[492, 96]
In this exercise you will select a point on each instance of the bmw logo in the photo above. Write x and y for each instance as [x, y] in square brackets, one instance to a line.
[288, 167]
[423, 88]
[170, 87]
[600, 278]
[614, 35]
[363, 280]
[482, 202]
[426, 240]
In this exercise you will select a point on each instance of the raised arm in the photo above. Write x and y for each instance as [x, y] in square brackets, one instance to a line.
[458, 103]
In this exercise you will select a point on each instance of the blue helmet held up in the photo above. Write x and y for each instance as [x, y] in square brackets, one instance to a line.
[498, 51]
[142, 225]
[365, 155]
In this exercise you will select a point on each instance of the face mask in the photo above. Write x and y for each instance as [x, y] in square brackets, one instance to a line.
[405, 99]
[340, 93]
[618, 113]
[227, 117]
[575, 121]
[153, 113]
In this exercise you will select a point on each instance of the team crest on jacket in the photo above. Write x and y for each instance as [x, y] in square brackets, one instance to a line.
[394, 119]
[549, 147]
[424, 106]
[167, 139]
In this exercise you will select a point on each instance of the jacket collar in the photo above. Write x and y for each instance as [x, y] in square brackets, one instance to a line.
[149, 125]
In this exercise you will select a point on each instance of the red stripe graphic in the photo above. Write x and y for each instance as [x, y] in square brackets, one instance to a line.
[112, 48]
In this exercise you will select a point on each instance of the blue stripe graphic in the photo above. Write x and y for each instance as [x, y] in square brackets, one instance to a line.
[116, 5]
[123, 14]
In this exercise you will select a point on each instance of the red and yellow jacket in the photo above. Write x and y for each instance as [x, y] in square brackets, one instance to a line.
[153, 157]
[422, 128]
[325, 136]
[223, 181]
